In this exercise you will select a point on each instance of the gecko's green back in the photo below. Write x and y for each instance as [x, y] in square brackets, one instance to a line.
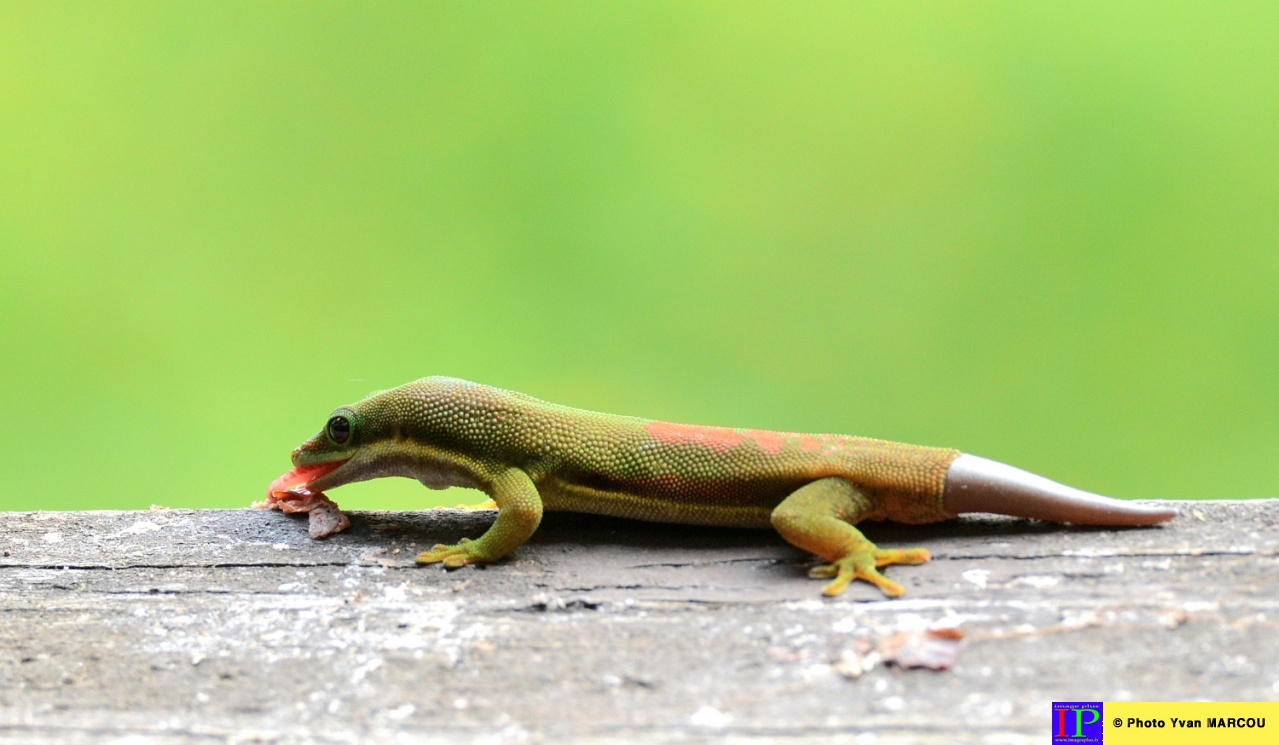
[624, 466]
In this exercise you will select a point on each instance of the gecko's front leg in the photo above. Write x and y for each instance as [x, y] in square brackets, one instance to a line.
[519, 513]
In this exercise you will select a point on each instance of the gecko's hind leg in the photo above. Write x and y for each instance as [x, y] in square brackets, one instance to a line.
[819, 517]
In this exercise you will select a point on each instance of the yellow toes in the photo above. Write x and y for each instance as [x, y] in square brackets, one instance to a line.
[488, 504]
[864, 565]
[823, 571]
[839, 584]
[453, 557]
[884, 557]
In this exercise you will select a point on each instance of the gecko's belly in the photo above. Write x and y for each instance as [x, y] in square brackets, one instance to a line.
[741, 505]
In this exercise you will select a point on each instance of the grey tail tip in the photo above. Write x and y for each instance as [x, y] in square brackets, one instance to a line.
[975, 484]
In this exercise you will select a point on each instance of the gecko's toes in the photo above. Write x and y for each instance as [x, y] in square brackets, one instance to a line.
[884, 557]
[452, 557]
[487, 504]
[864, 565]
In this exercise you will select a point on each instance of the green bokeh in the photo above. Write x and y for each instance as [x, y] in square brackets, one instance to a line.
[1042, 233]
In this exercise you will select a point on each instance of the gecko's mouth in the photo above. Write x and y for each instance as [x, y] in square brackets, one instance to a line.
[302, 475]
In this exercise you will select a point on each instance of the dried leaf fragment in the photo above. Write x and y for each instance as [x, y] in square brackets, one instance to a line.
[935, 649]
[324, 516]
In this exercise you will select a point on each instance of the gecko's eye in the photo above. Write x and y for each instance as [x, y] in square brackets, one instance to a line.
[338, 429]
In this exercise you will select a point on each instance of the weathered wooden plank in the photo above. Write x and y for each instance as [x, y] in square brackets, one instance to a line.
[232, 625]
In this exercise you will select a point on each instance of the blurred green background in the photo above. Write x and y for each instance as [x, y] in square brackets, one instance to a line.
[1044, 233]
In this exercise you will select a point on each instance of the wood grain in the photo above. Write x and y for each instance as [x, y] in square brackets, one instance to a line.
[234, 626]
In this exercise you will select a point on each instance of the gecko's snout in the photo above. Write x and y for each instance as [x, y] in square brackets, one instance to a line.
[302, 450]
[313, 444]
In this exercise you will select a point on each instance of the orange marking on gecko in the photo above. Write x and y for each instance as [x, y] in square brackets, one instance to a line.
[769, 441]
[809, 443]
[718, 439]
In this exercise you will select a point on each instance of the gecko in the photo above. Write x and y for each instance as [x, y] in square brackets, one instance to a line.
[530, 456]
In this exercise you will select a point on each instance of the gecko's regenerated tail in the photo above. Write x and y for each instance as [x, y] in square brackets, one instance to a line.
[975, 484]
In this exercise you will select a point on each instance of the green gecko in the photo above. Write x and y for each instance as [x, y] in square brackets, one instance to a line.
[529, 455]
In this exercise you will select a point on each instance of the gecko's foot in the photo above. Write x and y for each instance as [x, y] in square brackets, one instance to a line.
[863, 565]
[453, 557]
[487, 504]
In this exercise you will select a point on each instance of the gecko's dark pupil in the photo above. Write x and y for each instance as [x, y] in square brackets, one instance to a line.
[339, 429]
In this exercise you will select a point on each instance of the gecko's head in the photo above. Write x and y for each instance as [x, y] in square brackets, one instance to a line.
[342, 452]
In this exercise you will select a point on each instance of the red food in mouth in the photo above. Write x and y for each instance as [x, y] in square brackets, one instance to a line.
[301, 476]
